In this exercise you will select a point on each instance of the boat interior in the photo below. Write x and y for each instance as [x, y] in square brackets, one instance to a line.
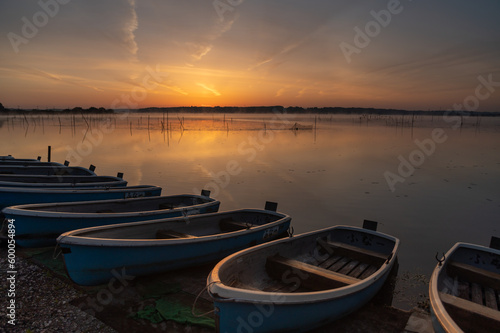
[470, 290]
[55, 179]
[126, 206]
[44, 170]
[315, 263]
[184, 228]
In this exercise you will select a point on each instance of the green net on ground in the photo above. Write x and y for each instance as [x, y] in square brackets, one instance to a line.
[149, 313]
[166, 309]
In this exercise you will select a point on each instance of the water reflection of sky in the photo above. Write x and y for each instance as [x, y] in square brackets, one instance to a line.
[333, 174]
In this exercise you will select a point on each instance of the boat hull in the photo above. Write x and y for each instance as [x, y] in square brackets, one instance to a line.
[91, 261]
[41, 228]
[249, 307]
[10, 196]
[466, 267]
[277, 315]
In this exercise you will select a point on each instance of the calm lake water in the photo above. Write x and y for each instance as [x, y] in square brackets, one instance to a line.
[429, 181]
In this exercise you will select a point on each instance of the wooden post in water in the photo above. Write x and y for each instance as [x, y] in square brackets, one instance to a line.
[48, 153]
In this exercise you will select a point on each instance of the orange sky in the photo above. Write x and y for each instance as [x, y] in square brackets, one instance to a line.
[131, 54]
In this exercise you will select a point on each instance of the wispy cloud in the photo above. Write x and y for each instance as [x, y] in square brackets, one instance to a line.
[174, 88]
[67, 79]
[280, 55]
[198, 50]
[280, 92]
[205, 43]
[212, 90]
[131, 26]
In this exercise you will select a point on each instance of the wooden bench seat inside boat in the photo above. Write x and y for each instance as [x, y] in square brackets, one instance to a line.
[169, 234]
[311, 277]
[474, 274]
[470, 313]
[229, 225]
[343, 249]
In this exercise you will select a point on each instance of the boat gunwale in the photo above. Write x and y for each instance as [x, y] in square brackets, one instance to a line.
[90, 189]
[118, 182]
[25, 209]
[438, 309]
[71, 237]
[231, 294]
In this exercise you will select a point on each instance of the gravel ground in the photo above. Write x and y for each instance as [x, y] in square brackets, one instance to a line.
[45, 302]
[42, 301]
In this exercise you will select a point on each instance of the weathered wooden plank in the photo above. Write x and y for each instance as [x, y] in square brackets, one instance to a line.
[498, 299]
[358, 270]
[463, 290]
[339, 264]
[369, 271]
[311, 277]
[474, 274]
[330, 261]
[274, 288]
[476, 293]
[354, 252]
[471, 307]
[285, 287]
[349, 267]
[490, 299]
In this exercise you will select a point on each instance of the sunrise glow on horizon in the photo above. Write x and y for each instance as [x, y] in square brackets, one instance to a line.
[415, 55]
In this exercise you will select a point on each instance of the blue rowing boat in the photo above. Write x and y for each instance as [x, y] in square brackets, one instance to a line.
[60, 181]
[464, 290]
[95, 255]
[11, 158]
[44, 170]
[10, 196]
[28, 163]
[39, 225]
[302, 282]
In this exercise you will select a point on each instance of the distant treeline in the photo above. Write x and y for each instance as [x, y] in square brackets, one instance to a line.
[77, 110]
[252, 109]
[314, 110]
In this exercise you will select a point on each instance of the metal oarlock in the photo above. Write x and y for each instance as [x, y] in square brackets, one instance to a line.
[440, 261]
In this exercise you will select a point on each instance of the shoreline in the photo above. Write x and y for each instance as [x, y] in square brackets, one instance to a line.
[48, 301]
[253, 110]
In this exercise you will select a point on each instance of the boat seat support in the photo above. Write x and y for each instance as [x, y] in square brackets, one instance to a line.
[469, 307]
[310, 276]
[354, 252]
[474, 274]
